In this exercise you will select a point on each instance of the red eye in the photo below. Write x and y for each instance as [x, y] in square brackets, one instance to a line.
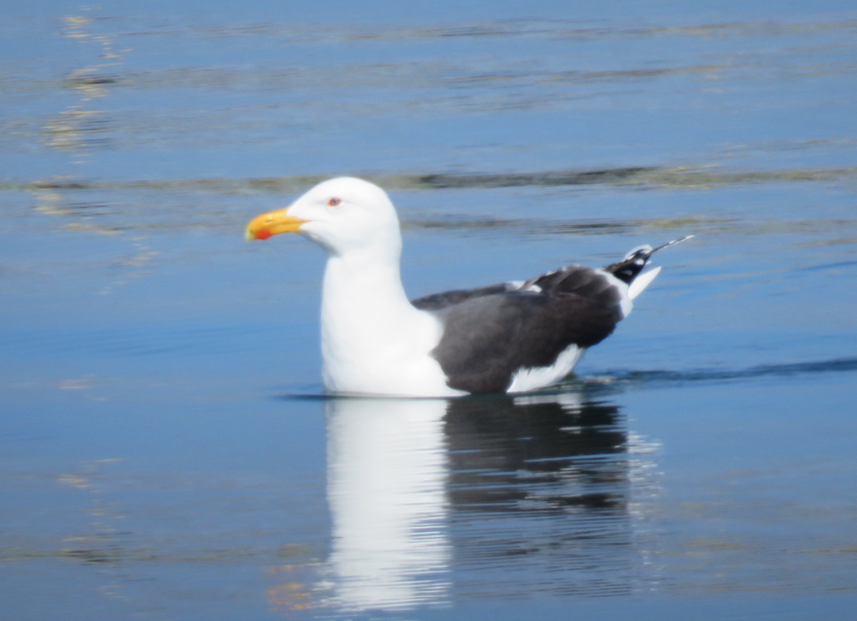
[333, 202]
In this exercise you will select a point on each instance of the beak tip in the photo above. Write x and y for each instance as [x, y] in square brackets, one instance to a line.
[260, 234]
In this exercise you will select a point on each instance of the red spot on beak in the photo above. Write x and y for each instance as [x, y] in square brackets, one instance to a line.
[263, 234]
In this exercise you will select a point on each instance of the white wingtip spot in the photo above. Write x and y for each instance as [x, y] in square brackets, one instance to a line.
[644, 247]
[641, 282]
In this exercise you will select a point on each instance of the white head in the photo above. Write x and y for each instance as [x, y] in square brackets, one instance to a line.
[343, 215]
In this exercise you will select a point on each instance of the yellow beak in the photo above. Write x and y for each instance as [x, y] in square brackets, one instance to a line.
[272, 223]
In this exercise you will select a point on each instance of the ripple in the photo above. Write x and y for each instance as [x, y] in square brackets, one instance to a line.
[656, 176]
[612, 380]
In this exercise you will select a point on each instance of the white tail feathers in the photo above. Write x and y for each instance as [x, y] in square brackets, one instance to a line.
[644, 280]
[641, 282]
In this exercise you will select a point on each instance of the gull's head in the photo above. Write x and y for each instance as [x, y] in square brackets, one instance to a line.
[341, 215]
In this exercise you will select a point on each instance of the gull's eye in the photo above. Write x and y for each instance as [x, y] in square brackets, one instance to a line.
[333, 202]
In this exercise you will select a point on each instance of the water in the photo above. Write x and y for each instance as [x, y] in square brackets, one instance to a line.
[163, 454]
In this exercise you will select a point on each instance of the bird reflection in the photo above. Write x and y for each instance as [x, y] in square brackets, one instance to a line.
[494, 495]
[386, 486]
[534, 453]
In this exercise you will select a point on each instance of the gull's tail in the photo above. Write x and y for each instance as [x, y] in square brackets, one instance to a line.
[628, 269]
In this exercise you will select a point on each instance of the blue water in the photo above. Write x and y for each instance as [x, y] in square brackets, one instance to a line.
[164, 452]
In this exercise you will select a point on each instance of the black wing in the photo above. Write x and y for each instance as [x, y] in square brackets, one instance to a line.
[439, 301]
[492, 332]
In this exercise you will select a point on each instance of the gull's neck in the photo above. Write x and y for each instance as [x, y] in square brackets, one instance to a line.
[362, 290]
[369, 327]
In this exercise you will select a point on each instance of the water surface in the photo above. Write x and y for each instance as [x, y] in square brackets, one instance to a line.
[163, 454]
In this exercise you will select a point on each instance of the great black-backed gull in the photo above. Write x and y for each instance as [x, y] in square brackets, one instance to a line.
[511, 337]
